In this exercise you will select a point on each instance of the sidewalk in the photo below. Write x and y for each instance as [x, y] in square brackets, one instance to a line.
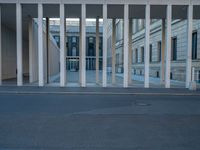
[96, 91]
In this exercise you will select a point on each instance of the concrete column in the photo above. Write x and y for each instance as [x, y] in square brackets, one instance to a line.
[130, 56]
[113, 50]
[104, 45]
[47, 50]
[189, 46]
[163, 53]
[146, 52]
[31, 61]
[83, 47]
[40, 45]
[80, 49]
[0, 51]
[126, 44]
[19, 44]
[62, 46]
[168, 46]
[97, 50]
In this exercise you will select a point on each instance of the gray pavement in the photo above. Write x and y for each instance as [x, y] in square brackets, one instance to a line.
[101, 121]
[73, 81]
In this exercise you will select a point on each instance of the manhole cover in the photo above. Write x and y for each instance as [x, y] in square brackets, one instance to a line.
[142, 104]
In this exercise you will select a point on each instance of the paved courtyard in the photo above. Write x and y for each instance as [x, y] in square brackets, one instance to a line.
[99, 119]
[73, 81]
[137, 81]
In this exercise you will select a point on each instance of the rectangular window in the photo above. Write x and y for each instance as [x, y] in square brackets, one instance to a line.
[90, 39]
[174, 49]
[136, 55]
[142, 54]
[73, 39]
[194, 45]
[199, 76]
[150, 52]
[159, 51]
[74, 51]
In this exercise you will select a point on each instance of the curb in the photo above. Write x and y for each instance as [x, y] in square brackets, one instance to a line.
[99, 93]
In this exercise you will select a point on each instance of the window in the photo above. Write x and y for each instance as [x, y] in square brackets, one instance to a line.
[73, 39]
[150, 52]
[136, 55]
[174, 49]
[159, 51]
[194, 45]
[90, 39]
[140, 72]
[199, 76]
[157, 74]
[74, 51]
[142, 54]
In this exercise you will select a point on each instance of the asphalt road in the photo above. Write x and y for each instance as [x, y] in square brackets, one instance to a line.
[99, 122]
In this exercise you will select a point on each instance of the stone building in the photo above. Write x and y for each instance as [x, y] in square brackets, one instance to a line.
[72, 42]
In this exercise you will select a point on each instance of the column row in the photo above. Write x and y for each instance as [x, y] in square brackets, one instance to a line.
[127, 46]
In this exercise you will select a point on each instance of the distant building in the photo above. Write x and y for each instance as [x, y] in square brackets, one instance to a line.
[178, 49]
[72, 43]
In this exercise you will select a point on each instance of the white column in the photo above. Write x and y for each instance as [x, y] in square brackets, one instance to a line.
[83, 47]
[168, 46]
[146, 53]
[113, 50]
[126, 44]
[40, 45]
[97, 49]
[62, 46]
[30, 34]
[163, 53]
[47, 52]
[19, 44]
[0, 52]
[189, 46]
[80, 49]
[104, 45]
[130, 59]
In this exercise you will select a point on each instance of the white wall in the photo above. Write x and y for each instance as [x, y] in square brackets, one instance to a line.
[35, 52]
[54, 58]
[8, 53]
[9, 58]
[54, 54]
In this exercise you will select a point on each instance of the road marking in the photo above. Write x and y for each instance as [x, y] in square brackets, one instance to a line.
[101, 93]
